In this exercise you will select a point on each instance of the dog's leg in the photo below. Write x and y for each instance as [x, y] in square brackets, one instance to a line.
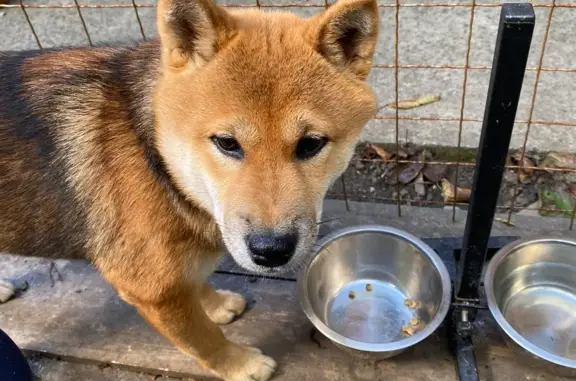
[180, 317]
[7, 290]
[221, 306]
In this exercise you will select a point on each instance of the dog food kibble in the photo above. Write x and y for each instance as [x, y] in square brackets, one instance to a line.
[414, 321]
[407, 330]
[368, 287]
[352, 295]
[411, 304]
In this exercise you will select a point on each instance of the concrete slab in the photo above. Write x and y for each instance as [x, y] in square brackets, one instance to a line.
[436, 222]
[428, 36]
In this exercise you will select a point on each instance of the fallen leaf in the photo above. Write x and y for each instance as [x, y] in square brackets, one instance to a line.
[559, 160]
[413, 103]
[523, 161]
[451, 194]
[526, 166]
[384, 155]
[409, 173]
[572, 189]
[504, 221]
[434, 172]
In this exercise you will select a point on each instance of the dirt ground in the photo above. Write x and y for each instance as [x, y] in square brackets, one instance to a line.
[370, 179]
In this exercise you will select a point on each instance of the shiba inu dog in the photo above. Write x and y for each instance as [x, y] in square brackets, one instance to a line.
[152, 160]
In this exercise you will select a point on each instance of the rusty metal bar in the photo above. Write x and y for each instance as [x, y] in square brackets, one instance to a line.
[396, 89]
[462, 67]
[83, 23]
[345, 193]
[138, 19]
[532, 105]
[463, 102]
[23, 7]
[455, 119]
[437, 203]
[462, 164]
[291, 5]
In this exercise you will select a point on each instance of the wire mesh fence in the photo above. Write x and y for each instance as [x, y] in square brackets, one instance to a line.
[401, 167]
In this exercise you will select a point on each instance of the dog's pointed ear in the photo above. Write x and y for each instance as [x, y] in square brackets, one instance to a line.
[192, 31]
[346, 35]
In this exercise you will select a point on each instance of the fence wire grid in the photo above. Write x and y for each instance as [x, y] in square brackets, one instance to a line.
[397, 159]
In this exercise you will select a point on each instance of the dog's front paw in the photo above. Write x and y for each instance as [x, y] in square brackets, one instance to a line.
[238, 363]
[7, 290]
[230, 305]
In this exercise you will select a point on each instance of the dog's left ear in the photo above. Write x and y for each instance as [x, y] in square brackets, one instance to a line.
[192, 31]
[346, 34]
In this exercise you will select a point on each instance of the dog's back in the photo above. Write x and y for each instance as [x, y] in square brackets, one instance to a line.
[38, 208]
[61, 111]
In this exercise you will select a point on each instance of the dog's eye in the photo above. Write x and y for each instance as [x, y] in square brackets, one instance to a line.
[228, 146]
[310, 146]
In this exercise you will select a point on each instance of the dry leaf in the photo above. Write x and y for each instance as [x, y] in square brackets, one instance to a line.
[413, 103]
[409, 173]
[525, 166]
[524, 162]
[434, 172]
[504, 221]
[451, 195]
[384, 155]
[572, 189]
[559, 160]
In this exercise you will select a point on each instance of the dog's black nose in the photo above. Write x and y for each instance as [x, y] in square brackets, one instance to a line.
[271, 249]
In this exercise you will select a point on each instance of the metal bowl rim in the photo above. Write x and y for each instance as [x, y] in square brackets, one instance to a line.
[426, 250]
[499, 316]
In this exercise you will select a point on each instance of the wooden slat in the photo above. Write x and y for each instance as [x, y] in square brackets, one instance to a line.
[81, 318]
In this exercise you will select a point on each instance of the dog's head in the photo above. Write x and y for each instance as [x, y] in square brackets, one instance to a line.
[259, 112]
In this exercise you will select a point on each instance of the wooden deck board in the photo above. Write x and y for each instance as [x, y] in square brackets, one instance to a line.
[81, 318]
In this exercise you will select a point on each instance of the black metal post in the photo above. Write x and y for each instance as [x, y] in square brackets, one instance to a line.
[510, 57]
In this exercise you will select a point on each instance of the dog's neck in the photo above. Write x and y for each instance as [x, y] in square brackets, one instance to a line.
[144, 63]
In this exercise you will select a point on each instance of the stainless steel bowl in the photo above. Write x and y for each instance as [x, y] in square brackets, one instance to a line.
[531, 292]
[355, 290]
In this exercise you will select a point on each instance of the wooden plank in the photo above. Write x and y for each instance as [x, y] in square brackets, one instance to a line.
[81, 318]
[48, 369]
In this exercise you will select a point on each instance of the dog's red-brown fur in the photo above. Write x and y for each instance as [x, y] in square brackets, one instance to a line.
[111, 154]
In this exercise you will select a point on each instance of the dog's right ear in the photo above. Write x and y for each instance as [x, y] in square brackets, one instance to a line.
[192, 31]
